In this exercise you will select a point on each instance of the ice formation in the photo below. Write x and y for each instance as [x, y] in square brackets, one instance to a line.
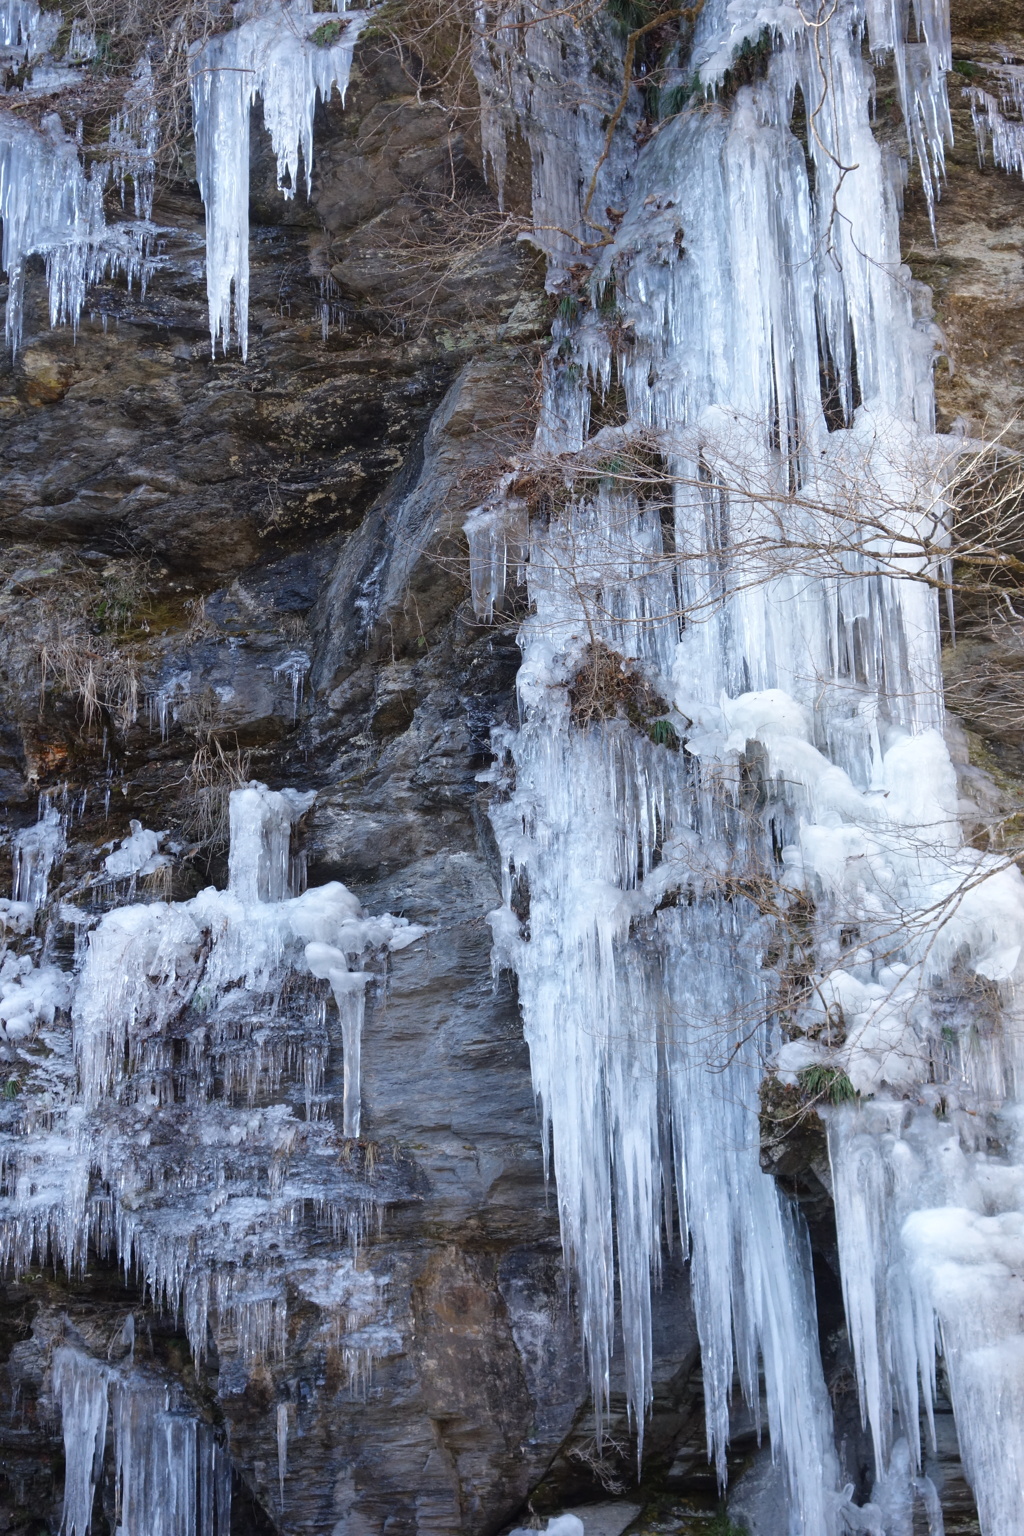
[283, 53]
[51, 204]
[729, 819]
[173, 1476]
[999, 119]
[169, 1105]
[286, 55]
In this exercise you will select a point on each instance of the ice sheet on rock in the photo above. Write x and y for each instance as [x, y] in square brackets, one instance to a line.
[273, 56]
[139, 854]
[36, 850]
[26, 29]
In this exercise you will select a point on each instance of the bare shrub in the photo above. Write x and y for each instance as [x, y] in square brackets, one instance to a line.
[608, 686]
[206, 790]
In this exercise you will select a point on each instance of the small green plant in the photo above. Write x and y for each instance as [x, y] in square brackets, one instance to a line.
[631, 15]
[827, 1082]
[327, 34]
[12, 1088]
[664, 734]
[721, 1525]
[675, 99]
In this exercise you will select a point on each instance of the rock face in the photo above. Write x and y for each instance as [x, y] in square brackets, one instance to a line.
[272, 556]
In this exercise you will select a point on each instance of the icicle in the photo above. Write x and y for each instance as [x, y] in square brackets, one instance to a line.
[36, 850]
[282, 1450]
[287, 56]
[349, 988]
[497, 538]
[998, 120]
[295, 667]
[50, 206]
[80, 1386]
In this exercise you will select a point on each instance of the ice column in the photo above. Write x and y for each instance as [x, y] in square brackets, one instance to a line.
[261, 821]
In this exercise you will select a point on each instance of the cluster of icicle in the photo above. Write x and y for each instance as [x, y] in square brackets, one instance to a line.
[172, 1475]
[999, 120]
[50, 204]
[168, 1104]
[280, 52]
[812, 811]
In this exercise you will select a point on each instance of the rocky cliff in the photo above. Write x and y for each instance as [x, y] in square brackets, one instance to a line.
[215, 572]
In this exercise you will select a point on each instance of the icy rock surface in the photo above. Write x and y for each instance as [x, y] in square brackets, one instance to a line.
[772, 604]
[147, 1126]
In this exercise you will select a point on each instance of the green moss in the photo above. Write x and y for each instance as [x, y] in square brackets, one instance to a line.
[749, 63]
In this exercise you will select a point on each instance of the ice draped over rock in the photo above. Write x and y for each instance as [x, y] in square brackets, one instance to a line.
[775, 359]
[282, 53]
[170, 1110]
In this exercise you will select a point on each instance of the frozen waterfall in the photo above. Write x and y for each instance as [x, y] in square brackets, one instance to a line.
[728, 819]
[729, 823]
